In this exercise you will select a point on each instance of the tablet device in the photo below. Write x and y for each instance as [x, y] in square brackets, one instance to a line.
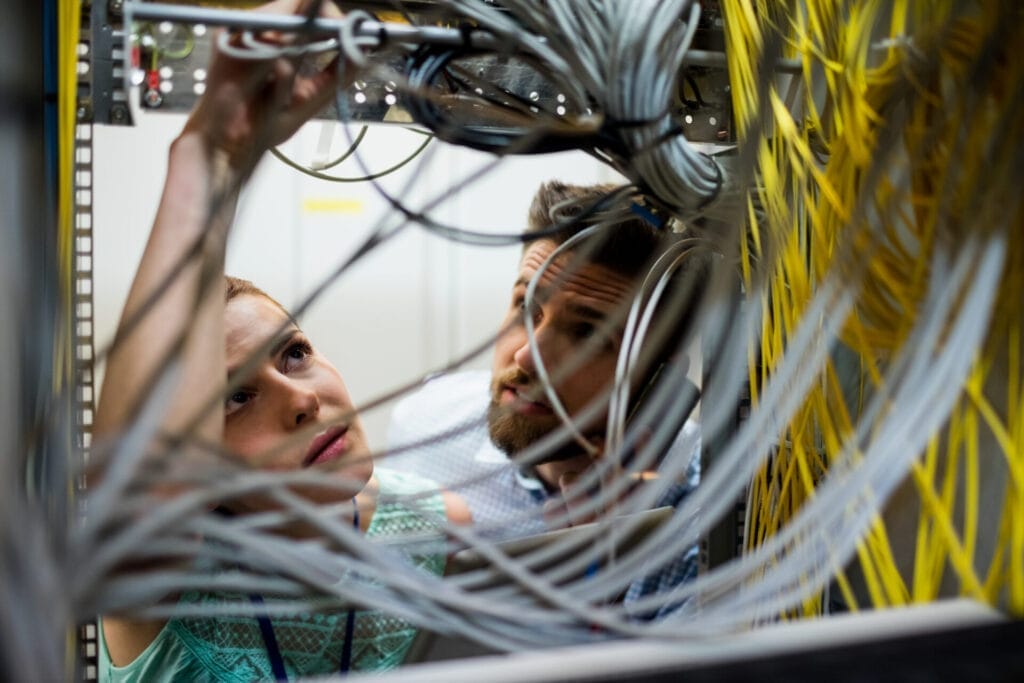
[543, 552]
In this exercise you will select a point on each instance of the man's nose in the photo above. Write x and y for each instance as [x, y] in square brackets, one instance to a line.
[524, 356]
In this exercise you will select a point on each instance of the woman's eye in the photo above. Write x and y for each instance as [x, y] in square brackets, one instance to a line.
[235, 401]
[297, 353]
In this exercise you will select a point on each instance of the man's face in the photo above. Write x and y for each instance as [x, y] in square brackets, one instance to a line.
[573, 305]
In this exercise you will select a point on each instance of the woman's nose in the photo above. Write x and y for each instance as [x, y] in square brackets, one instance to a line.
[302, 404]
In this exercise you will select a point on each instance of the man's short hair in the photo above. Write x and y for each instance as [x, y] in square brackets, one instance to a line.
[634, 240]
[625, 248]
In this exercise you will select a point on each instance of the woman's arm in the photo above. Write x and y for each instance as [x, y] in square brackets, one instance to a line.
[248, 107]
[173, 320]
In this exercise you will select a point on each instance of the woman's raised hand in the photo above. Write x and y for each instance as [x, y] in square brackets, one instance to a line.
[253, 104]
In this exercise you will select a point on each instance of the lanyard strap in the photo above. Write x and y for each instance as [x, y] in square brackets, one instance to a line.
[270, 640]
[350, 620]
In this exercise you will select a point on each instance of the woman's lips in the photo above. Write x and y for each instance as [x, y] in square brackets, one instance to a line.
[329, 446]
[516, 400]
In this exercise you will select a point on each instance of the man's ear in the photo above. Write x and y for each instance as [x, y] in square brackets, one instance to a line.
[670, 367]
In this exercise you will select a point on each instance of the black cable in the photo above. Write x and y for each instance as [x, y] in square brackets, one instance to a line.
[331, 164]
[351, 149]
[427, 64]
[690, 81]
[355, 179]
[477, 238]
[467, 81]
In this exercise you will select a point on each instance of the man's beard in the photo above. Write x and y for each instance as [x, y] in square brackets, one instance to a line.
[513, 433]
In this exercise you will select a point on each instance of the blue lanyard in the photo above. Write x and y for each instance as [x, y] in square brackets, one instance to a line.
[270, 640]
[350, 619]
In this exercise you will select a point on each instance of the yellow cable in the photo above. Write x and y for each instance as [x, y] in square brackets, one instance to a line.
[808, 206]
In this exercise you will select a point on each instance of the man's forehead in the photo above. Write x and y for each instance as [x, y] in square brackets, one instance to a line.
[574, 276]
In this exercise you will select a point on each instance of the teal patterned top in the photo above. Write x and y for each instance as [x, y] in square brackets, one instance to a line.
[231, 648]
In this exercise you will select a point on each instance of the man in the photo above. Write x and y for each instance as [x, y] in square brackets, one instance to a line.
[470, 431]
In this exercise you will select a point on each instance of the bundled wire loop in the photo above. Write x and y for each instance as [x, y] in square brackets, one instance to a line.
[872, 222]
[902, 154]
[624, 65]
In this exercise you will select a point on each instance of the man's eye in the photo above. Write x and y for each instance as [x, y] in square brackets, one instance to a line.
[520, 307]
[583, 330]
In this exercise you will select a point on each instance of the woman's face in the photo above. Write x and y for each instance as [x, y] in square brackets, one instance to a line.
[290, 408]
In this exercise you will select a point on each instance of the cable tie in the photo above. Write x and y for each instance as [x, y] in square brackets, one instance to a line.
[719, 182]
[647, 215]
[466, 31]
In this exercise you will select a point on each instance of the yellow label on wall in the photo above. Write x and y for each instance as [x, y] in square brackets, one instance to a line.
[331, 205]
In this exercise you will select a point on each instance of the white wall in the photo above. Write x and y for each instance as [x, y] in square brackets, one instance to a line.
[410, 306]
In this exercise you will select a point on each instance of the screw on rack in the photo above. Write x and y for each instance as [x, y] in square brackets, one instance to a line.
[118, 114]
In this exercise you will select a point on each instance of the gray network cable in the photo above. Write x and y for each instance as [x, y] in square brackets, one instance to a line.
[628, 60]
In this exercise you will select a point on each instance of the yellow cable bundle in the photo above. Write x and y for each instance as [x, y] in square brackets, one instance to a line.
[68, 26]
[907, 135]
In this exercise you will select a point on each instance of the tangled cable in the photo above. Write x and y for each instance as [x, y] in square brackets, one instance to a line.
[882, 224]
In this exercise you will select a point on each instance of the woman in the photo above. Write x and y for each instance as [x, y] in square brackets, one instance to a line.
[287, 408]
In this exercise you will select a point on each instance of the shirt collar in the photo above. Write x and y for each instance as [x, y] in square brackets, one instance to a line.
[534, 486]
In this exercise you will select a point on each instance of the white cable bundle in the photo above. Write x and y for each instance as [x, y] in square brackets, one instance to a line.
[626, 55]
[773, 578]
